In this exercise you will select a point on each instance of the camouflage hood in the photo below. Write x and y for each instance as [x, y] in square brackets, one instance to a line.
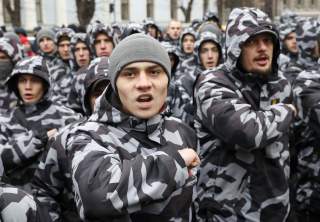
[76, 38]
[244, 23]
[11, 48]
[96, 28]
[36, 66]
[172, 50]
[208, 36]
[96, 72]
[63, 32]
[187, 31]
[284, 30]
[307, 34]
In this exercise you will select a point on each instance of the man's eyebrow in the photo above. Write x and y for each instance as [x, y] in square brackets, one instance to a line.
[129, 69]
[153, 67]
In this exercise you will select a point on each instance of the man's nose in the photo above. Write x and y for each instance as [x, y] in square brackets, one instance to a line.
[262, 45]
[143, 80]
[28, 84]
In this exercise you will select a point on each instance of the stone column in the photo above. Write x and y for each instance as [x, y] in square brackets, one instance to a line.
[102, 11]
[162, 12]
[61, 13]
[1, 13]
[197, 9]
[28, 14]
[137, 10]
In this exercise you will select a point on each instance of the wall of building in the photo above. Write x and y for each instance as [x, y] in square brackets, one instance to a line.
[62, 12]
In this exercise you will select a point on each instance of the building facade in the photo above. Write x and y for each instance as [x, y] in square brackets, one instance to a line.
[63, 12]
[273, 8]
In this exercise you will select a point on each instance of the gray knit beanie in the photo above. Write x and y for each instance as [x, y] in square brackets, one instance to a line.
[137, 48]
[45, 33]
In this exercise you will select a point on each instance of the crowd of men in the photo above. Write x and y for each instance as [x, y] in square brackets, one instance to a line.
[129, 123]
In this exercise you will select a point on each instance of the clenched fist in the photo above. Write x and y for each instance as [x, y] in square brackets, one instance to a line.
[190, 157]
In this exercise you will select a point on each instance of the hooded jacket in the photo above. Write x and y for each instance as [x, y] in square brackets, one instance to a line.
[186, 82]
[308, 31]
[77, 38]
[307, 129]
[52, 184]
[60, 71]
[187, 61]
[284, 30]
[242, 124]
[7, 99]
[128, 169]
[95, 28]
[83, 80]
[25, 128]
[151, 23]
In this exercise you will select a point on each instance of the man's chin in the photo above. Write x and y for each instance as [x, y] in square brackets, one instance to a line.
[262, 72]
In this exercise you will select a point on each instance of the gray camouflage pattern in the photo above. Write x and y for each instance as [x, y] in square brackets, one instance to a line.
[52, 184]
[138, 174]
[95, 28]
[98, 66]
[17, 205]
[242, 124]
[307, 98]
[23, 133]
[307, 34]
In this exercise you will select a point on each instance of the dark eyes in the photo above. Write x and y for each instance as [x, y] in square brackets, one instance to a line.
[23, 80]
[78, 49]
[251, 42]
[156, 71]
[132, 74]
[128, 74]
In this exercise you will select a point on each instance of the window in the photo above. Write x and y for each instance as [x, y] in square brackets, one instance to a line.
[125, 9]
[150, 8]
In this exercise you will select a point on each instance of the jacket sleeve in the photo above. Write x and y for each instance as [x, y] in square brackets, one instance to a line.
[16, 205]
[108, 184]
[307, 98]
[19, 149]
[48, 183]
[230, 118]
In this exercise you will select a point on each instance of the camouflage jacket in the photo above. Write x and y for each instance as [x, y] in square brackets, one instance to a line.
[77, 91]
[61, 78]
[242, 124]
[18, 206]
[24, 137]
[7, 99]
[185, 71]
[183, 87]
[127, 169]
[307, 98]
[308, 31]
[183, 107]
[52, 184]
[80, 84]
